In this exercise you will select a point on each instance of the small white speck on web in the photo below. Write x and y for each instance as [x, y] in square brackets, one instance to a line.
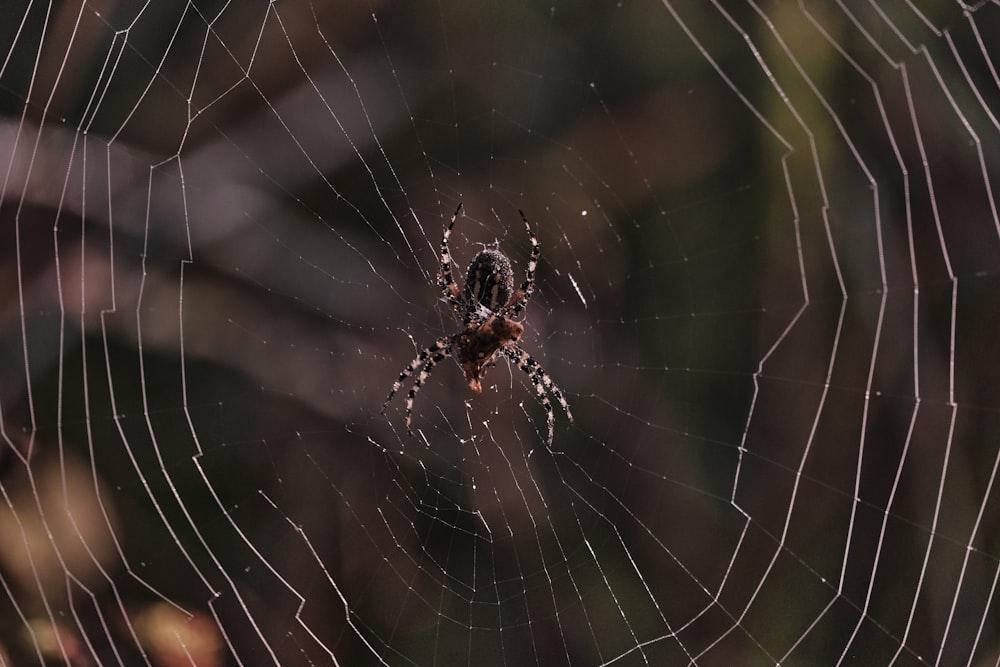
[577, 288]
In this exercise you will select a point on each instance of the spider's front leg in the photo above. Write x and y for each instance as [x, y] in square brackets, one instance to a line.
[542, 382]
[427, 358]
[444, 278]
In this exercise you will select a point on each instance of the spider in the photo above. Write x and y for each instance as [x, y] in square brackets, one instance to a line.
[486, 305]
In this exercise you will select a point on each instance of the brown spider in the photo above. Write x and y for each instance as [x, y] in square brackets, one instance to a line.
[486, 305]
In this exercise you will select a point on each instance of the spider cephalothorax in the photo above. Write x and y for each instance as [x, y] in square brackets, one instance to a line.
[475, 347]
[487, 303]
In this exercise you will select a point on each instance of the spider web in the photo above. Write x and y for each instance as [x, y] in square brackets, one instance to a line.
[768, 288]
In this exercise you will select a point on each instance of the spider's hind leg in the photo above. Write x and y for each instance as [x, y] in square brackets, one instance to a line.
[445, 280]
[527, 288]
[427, 358]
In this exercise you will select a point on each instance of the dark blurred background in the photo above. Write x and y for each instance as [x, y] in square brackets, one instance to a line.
[768, 289]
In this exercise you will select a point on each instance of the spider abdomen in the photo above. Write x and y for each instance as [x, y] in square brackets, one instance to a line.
[489, 280]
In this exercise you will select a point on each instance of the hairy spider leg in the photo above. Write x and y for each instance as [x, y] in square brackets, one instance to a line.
[428, 357]
[527, 288]
[444, 278]
[527, 364]
[542, 383]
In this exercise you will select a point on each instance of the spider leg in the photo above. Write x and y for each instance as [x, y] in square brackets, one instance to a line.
[542, 382]
[427, 358]
[444, 278]
[527, 288]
